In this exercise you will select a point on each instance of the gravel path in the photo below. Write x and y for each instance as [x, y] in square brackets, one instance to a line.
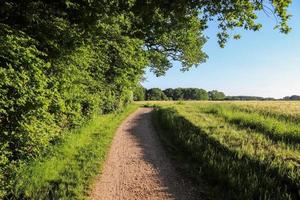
[138, 168]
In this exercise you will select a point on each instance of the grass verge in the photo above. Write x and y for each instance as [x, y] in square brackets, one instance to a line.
[68, 171]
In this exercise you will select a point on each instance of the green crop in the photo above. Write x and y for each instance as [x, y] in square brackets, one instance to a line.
[247, 155]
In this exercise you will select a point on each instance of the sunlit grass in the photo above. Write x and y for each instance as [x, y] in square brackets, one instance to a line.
[248, 154]
[67, 172]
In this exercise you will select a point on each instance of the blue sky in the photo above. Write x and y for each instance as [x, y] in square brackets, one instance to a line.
[264, 63]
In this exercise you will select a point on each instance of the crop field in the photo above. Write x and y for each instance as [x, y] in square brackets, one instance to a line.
[248, 150]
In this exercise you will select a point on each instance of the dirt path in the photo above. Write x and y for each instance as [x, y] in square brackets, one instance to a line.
[137, 166]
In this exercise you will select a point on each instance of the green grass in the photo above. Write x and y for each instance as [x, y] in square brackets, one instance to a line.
[274, 128]
[68, 171]
[240, 158]
[282, 110]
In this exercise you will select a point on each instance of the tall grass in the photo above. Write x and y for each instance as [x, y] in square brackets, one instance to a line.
[283, 110]
[68, 170]
[243, 162]
[277, 130]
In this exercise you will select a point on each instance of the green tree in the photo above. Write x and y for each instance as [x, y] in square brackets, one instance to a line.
[178, 94]
[216, 95]
[174, 29]
[167, 29]
[201, 94]
[186, 94]
[139, 93]
[169, 92]
[156, 94]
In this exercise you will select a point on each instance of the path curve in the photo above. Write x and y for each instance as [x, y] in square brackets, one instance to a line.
[137, 167]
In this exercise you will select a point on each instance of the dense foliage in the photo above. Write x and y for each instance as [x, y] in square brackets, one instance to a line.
[245, 149]
[156, 94]
[62, 61]
[41, 95]
[186, 94]
[216, 95]
[67, 171]
[139, 93]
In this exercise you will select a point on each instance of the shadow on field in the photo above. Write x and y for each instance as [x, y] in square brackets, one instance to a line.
[237, 176]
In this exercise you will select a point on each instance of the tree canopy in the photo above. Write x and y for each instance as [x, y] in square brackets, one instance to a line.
[165, 29]
[156, 94]
[139, 93]
[186, 94]
[216, 95]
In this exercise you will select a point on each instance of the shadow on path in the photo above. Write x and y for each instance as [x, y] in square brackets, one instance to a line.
[177, 186]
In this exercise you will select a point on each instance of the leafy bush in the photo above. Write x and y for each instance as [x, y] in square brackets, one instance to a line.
[41, 97]
[67, 171]
[26, 126]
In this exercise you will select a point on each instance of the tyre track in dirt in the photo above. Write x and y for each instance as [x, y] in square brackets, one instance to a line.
[137, 167]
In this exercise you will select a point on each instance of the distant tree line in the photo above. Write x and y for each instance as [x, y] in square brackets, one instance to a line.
[293, 97]
[248, 98]
[156, 94]
[256, 98]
